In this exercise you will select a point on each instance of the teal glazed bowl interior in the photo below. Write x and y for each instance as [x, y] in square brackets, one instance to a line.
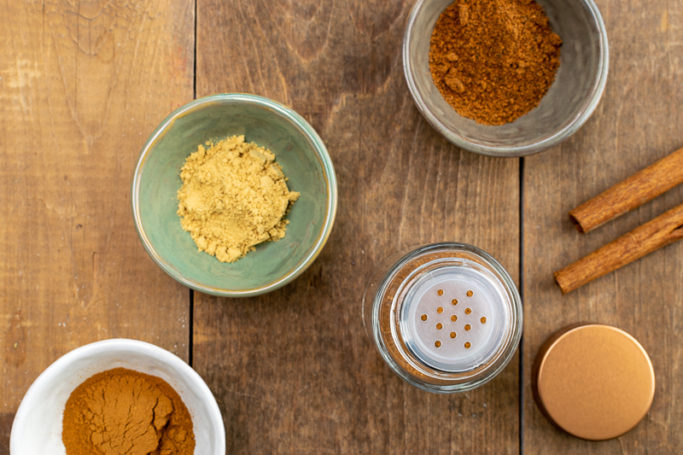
[569, 102]
[303, 158]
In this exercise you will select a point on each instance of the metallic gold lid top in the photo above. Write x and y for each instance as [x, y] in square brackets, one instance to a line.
[594, 381]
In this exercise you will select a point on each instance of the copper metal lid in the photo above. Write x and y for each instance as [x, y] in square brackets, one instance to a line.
[594, 381]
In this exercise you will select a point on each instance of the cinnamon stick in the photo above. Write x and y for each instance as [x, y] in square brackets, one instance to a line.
[646, 238]
[641, 187]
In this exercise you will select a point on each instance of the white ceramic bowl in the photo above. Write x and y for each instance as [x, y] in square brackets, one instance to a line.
[43, 405]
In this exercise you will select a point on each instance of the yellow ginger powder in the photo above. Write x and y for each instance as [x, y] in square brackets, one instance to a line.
[234, 196]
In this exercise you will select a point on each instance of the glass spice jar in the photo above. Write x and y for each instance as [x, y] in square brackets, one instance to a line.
[445, 317]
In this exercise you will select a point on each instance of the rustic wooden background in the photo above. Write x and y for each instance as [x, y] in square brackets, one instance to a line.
[83, 83]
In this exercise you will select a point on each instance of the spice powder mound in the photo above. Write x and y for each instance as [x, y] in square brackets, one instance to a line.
[493, 60]
[122, 411]
[234, 196]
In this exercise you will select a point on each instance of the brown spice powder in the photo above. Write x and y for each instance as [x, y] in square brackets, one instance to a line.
[386, 309]
[493, 60]
[122, 411]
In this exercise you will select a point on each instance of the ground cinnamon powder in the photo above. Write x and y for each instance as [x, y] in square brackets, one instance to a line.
[493, 60]
[122, 411]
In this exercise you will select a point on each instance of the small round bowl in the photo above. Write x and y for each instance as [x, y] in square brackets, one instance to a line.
[43, 405]
[571, 99]
[304, 160]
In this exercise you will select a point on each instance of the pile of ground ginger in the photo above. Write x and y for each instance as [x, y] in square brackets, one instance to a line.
[233, 197]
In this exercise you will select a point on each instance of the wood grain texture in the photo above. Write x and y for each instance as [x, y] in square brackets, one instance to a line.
[638, 121]
[82, 84]
[294, 371]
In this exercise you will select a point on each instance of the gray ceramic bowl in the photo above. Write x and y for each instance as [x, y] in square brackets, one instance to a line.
[569, 102]
[304, 160]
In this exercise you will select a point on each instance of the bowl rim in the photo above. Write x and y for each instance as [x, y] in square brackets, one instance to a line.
[590, 103]
[128, 344]
[328, 173]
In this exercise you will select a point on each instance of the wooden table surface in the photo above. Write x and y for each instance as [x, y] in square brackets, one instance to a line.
[82, 85]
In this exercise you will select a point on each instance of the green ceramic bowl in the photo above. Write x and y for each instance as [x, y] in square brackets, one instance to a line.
[304, 160]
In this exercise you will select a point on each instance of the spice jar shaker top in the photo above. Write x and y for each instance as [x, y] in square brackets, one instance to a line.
[445, 317]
